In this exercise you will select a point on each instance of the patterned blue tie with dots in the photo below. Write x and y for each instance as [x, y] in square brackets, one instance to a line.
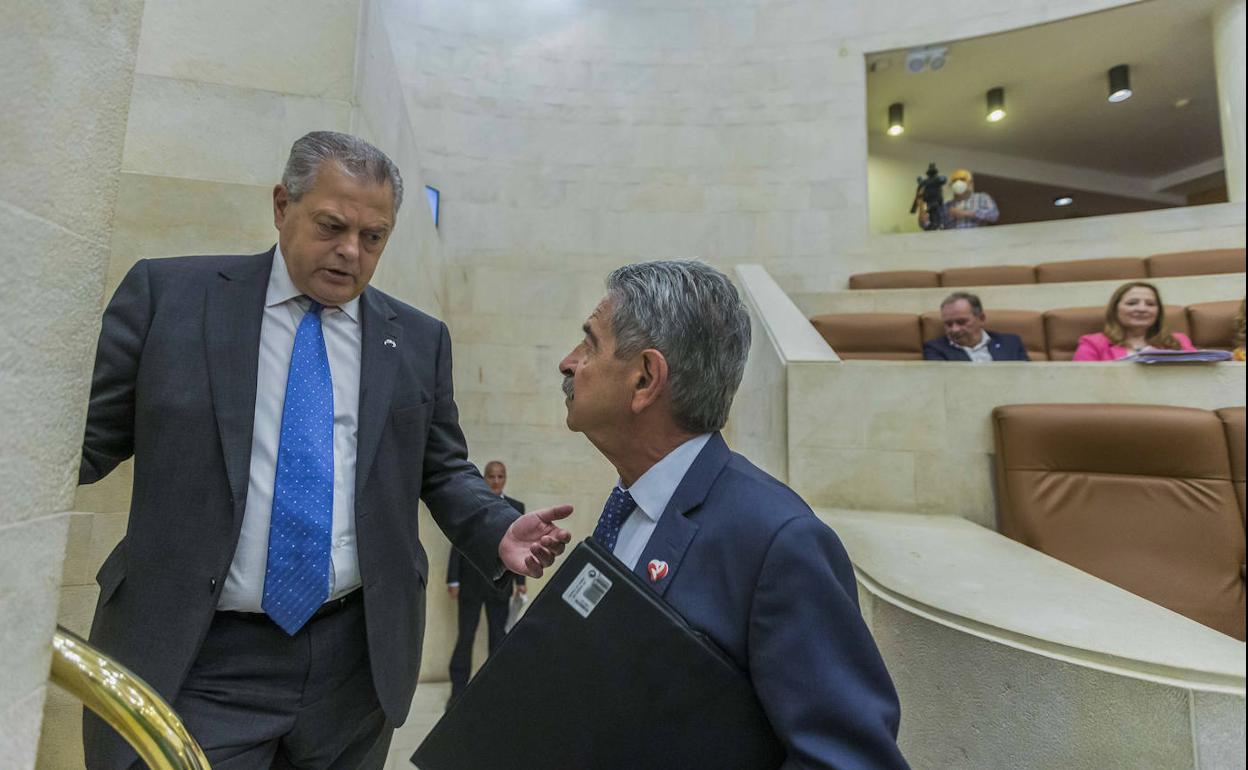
[296, 578]
[619, 505]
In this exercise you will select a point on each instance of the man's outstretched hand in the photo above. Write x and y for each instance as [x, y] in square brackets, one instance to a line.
[533, 542]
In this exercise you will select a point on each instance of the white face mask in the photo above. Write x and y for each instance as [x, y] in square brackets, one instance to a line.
[959, 187]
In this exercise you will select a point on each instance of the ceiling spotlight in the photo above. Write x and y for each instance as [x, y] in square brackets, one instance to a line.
[1119, 83]
[1181, 103]
[896, 119]
[996, 104]
[1064, 200]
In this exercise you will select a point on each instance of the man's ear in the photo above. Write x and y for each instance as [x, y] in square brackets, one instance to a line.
[281, 199]
[649, 379]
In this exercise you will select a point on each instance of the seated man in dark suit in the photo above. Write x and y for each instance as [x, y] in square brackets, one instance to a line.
[966, 339]
[473, 591]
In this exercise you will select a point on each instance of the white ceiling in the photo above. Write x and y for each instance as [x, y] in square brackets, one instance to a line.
[1055, 80]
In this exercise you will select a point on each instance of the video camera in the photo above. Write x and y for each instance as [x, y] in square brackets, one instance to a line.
[931, 191]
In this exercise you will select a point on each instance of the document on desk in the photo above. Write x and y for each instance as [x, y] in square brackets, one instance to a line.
[600, 672]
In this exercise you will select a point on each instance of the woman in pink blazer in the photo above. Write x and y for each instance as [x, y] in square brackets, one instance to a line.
[1134, 319]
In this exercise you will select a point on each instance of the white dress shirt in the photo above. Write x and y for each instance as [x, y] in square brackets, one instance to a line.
[651, 493]
[284, 307]
[979, 354]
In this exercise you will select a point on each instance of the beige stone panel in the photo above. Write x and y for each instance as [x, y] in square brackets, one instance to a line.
[60, 743]
[195, 130]
[512, 408]
[30, 575]
[110, 494]
[874, 406]
[503, 329]
[168, 217]
[758, 423]
[55, 162]
[957, 482]
[869, 479]
[1218, 721]
[568, 293]
[19, 728]
[92, 537]
[50, 297]
[972, 703]
[304, 47]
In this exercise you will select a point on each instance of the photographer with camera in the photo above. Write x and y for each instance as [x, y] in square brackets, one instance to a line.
[967, 208]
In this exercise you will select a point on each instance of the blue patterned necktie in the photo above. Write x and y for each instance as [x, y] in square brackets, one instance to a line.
[619, 505]
[296, 577]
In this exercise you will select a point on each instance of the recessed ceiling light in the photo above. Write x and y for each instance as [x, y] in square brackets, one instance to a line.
[1064, 200]
[996, 104]
[1119, 83]
[896, 119]
[1181, 103]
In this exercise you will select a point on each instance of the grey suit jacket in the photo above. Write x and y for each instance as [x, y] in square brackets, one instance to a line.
[473, 584]
[175, 386]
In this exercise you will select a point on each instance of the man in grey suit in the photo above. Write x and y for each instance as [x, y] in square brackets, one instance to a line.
[285, 417]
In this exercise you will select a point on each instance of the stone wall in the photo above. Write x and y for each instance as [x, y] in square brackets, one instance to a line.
[58, 186]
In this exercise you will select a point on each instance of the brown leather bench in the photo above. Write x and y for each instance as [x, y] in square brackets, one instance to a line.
[1049, 336]
[1212, 323]
[996, 275]
[896, 279]
[1207, 262]
[1027, 324]
[1141, 496]
[876, 336]
[1114, 268]
[1233, 422]
[1063, 327]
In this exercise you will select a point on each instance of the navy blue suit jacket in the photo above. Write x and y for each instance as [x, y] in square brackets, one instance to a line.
[1004, 347]
[750, 565]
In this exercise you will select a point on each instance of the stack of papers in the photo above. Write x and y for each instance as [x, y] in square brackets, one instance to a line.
[1151, 355]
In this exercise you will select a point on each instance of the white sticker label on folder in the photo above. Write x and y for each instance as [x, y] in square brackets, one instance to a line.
[587, 590]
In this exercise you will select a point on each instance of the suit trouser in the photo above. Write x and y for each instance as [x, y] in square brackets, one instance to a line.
[469, 616]
[258, 698]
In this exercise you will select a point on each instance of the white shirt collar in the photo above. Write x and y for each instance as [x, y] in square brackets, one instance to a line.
[984, 339]
[655, 488]
[282, 289]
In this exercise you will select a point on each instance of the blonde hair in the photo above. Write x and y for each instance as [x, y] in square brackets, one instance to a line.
[1157, 336]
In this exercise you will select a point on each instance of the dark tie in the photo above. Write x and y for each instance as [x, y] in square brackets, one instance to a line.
[619, 505]
[296, 576]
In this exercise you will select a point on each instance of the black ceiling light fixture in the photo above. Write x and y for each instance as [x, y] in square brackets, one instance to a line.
[1119, 83]
[996, 104]
[896, 119]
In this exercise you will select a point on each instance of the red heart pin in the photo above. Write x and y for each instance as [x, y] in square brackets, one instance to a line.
[657, 570]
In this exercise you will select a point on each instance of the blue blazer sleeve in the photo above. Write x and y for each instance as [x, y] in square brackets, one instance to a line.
[939, 350]
[813, 663]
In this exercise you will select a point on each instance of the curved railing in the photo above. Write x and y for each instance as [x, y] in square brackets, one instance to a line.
[126, 703]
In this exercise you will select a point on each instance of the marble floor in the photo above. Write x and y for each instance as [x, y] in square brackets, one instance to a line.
[427, 708]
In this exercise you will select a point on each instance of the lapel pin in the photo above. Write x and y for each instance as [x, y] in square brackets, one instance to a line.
[390, 343]
[657, 570]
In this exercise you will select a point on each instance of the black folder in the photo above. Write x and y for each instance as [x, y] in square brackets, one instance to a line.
[602, 673]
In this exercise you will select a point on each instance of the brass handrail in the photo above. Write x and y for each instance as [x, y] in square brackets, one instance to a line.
[125, 702]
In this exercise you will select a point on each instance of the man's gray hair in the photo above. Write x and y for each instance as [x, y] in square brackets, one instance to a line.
[691, 313]
[356, 157]
[977, 307]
